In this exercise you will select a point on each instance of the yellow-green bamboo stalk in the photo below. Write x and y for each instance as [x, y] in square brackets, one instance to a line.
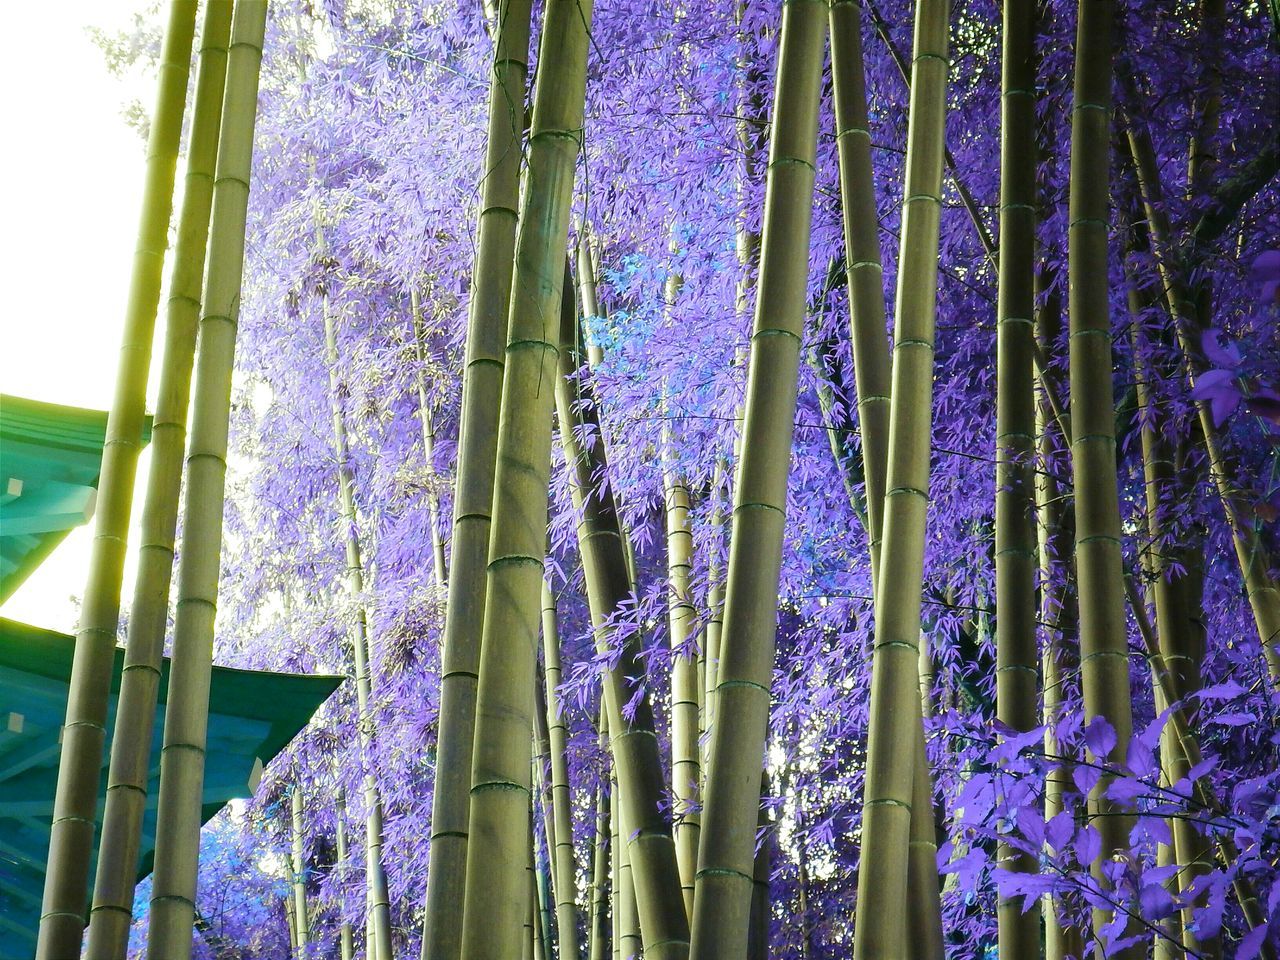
[346, 936]
[1054, 530]
[117, 872]
[891, 786]
[863, 268]
[377, 895]
[686, 773]
[650, 853]
[722, 899]
[298, 871]
[766, 839]
[182, 760]
[629, 943]
[1017, 676]
[564, 866]
[517, 544]
[1104, 648]
[598, 930]
[439, 567]
[872, 370]
[1251, 552]
[473, 495]
[79, 769]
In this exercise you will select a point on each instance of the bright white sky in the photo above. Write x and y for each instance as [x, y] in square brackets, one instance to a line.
[72, 174]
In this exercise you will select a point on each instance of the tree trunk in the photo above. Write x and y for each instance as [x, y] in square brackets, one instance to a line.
[722, 901]
[173, 890]
[428, 442]
[650, 855]
[117, 872]
[473, 496]
[298, 871]
[893, 789]
[517, 547]
[1017, 676]
[1104, 648]
[564, 867]
[79, 769]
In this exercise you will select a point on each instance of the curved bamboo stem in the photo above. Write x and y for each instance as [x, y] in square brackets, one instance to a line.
[173, 888]
[473, 495]
[127, 779]
[517, 545]
[80, 766]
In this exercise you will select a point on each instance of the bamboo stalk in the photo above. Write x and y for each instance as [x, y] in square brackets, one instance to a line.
[127, 779]
[517, 546]
[440, 567]
[564, 867]
[1055, 533]
[722, 899]
[182, 760]
[598, 929]
[1104, 649]
[893, 789]
[864, 275]
[346, 936]
[1017, 676]
[686, 772]
[1251, 552]
[298, 875]
[84, 733]
[650, 854]
[473, 496]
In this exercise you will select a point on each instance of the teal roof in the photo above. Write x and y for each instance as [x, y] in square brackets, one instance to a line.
[253, 715]
[50, 457]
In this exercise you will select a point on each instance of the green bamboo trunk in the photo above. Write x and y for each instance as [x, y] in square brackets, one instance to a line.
[440, 567]
[1017, 675]
[1055, 536]
[564, 866]
[117, 872]
[298, 864]
[517, 546]
[1251, 552]
[1104, 649]
[182, 760]
[377, 896]
[872, 371]
[599, 930]
[346, 936]
[686, 696]
[722, 900]
[83, 736]
[473, 496]
[893, 788]
[649, 854]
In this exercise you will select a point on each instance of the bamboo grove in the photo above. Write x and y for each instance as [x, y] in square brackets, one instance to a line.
[788, 480]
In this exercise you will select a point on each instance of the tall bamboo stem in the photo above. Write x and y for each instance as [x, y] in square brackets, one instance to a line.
[440, 567]
[1251, 552]
[1017, 676]
[84, 733]
[129, 773]
[346, 936]
[650, 854]
[173, 888]
[473, 497]
[1104, 648]
[564, 866]
[517, 544]
[298, 869]
[892, 788]
[722, 900]
[377, 895]
[598, 931]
